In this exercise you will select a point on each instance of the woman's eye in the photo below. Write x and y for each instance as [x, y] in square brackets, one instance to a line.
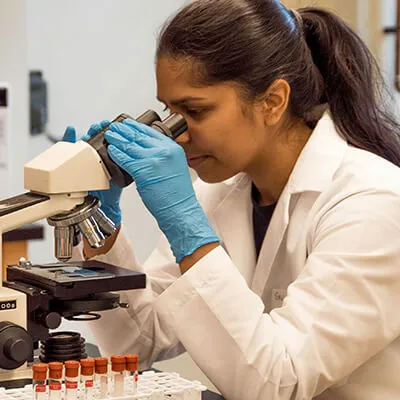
[195, 112]
[192, 112]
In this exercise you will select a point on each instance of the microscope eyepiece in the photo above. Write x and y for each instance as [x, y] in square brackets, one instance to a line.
[172, 126]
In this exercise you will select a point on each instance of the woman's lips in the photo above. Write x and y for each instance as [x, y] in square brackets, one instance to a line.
[195, 161]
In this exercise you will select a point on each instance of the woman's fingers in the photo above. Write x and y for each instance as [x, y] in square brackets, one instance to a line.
[128, 147]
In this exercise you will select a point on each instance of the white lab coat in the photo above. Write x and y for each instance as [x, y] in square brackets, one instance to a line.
[333, 246]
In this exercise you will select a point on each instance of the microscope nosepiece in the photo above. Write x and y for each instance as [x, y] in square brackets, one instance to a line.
[86, 219]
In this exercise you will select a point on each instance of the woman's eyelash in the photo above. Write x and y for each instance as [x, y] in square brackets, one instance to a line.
[191, 111]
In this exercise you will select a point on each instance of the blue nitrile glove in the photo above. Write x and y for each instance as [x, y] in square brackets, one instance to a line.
[158, 166]
[110, 198]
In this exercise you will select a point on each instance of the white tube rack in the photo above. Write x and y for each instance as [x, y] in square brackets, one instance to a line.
[151, 386]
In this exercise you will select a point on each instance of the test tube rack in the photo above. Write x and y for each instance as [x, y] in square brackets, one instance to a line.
[151, 386]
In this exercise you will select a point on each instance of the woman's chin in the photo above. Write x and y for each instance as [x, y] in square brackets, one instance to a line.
[212, 176]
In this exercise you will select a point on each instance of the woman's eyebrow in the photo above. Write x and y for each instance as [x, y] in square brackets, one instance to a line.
[182, 100]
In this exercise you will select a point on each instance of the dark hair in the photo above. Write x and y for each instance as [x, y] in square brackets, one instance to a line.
[255, 42]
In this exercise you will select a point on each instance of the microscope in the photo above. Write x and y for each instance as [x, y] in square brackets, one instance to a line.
[34, 298]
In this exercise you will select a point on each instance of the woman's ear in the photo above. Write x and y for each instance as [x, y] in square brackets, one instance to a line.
[275, 102]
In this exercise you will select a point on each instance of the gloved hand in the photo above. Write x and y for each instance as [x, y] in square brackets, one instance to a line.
[158, 166]
[110, 198]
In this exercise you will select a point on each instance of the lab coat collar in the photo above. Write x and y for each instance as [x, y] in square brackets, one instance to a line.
[315, 167]
[313, 171]
[319, 159]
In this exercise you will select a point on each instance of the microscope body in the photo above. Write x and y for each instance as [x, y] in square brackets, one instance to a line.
[55, 186]
[58, 182]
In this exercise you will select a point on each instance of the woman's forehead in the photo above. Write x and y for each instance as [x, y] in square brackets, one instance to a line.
[176, 79]
[175, 71]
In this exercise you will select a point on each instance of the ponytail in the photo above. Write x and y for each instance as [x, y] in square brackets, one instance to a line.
[353, 85]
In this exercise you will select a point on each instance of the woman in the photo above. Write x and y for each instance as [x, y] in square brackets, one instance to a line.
[282, 277]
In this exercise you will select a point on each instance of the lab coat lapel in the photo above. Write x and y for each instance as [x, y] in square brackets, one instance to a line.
[313, 172]
[273, 239]
[233, 219]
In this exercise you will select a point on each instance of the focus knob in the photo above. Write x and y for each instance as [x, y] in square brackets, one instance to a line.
[17, 350]
[15, 345]
[50, 320]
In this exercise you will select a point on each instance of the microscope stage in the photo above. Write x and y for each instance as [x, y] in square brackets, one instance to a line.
[76, 279]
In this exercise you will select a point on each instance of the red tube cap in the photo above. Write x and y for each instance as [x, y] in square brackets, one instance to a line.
[87, 366]
[71, 368]
[55, 370]
[39, 372]
[117, 363]
[132, 362]
[101, 365]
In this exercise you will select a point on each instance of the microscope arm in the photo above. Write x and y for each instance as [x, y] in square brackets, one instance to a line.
[31, 207]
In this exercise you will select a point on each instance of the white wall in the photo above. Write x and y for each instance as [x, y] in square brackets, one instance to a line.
[98, 59]
[13, 69]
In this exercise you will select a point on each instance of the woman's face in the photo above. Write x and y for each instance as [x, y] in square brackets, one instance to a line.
[224, 136]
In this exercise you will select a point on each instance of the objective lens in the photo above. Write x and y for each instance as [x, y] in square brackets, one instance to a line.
[92, 233]
[63, 241]
[104, 223]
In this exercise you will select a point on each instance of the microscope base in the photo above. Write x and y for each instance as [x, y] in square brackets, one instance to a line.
[14, 378]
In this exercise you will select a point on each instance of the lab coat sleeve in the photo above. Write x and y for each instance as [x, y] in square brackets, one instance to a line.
[137, 329]
[339, 312]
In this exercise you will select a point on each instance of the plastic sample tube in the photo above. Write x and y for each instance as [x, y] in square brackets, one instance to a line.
[132, 366]
[101, 370]
[39, 381]
[71, 379]
[55, 380]
[87, 373]
[117, 374]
